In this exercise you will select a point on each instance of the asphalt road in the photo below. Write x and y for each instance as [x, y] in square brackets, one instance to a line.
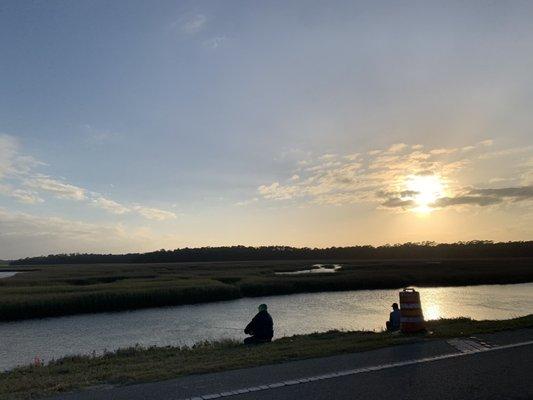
[497, 374]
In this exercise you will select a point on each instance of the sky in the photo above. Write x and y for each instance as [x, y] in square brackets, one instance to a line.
[134, 126]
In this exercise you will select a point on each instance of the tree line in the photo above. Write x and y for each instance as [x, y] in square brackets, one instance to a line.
[471, 249]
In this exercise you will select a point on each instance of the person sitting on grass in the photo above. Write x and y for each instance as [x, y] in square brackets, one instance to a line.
[393, 324]
[261, 328]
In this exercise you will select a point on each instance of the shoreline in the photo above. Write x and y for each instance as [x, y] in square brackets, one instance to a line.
[138, 364]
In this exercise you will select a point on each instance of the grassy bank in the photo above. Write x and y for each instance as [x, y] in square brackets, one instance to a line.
[72, 289]
[141, 365]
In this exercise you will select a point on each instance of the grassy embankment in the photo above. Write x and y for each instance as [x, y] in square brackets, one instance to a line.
[72, 289]
[150, 364]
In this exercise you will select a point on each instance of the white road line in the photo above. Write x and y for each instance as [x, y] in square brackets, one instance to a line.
[333, 375]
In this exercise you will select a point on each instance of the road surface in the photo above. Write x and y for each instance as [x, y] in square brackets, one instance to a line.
[495, 366]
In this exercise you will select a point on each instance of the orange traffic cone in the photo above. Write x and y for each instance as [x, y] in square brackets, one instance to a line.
[412, 318]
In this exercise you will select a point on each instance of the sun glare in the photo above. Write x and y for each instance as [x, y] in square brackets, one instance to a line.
[426, 190]
[432, 311]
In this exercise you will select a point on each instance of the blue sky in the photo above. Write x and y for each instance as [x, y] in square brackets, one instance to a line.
[134, 125]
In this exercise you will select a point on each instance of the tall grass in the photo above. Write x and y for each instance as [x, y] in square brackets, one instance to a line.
[56, 305]
[64, 290]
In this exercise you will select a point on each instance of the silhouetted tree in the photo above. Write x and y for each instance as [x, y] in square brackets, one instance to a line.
[472, 249]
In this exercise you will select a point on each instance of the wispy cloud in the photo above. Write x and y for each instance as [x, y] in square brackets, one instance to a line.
[46, 235]
[27, 185]
[59, 189]
[8, 149]
[97, 137]
[154, 213]
[379, 176]
[276, 191]
[247, 202]
[11, 161]
[487, 197]
[507, 152]
[193, 23]
[109, 205]
[21, 195]
[114, 207]
[215, 42]
[396, 148]
[24, 224]
[469, 197]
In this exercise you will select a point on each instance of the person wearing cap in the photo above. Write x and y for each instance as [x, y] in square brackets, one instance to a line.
[393, 324]
[260, 328]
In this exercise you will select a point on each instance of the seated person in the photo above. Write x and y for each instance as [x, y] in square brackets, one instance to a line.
[393, 324]
[261, 328]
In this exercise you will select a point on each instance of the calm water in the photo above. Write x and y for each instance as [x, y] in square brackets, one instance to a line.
[52, 338]
[8, 274]
[315, 269]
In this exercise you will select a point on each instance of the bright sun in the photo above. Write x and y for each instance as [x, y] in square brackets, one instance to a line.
[426, 189]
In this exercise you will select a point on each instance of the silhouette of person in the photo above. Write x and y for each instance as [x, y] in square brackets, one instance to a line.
[260, 328]
[393, 324]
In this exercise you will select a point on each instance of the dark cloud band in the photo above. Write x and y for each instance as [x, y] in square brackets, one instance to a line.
[477, 197]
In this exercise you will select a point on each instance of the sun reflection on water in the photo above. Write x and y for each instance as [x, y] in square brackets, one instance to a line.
[432, 311]
[432, 301]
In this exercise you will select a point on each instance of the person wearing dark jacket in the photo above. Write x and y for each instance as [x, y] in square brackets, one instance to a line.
[393, 324]
[260, 328]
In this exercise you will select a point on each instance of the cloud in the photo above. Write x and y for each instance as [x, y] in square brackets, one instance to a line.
[97, 137]
[8, 149]
[488, 142]
[517, 193]
[20, 180]
[443, 151]
[215, 42]
[57, 188]
[470, 197]
[278, 192]
[487, 197]
[247, 202]
[154, 213]
[396, 148]
[398, 202]
[26, 196]
[28, 225]
[333, 179]
[23, 234]
[193, 24]
[21, 195]
[380, 177]
[507, 152]
[109, 205]
[114, 207]
[12, 163]
[466, 200]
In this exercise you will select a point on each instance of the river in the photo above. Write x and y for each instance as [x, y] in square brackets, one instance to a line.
[51, 338]
[8, 274]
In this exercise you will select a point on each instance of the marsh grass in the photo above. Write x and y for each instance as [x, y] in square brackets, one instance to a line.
[138, 364]
[47, 291]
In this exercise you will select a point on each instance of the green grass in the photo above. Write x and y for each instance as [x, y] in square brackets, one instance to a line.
[43, 291]
[137, 364]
